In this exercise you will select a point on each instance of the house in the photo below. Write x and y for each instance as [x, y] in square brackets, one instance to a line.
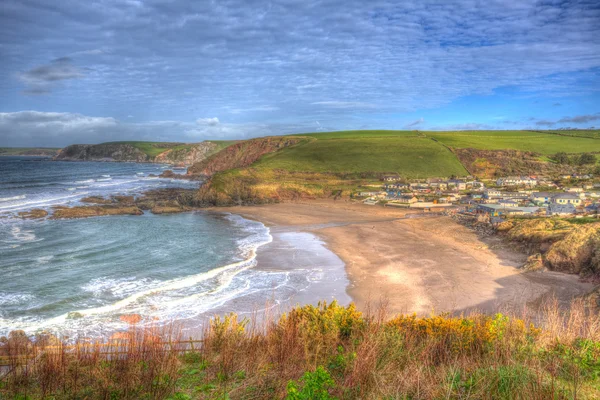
[492, 194]
[566, 198]
[406, 200]
[457, 184]
[390, 178]
[508, 203]
[541, 197]
[515, 195]
[583, 176]
[561, 209]
[442, 185]
[516, 181]
[495, 210]
[368, 194]
[574, 190]
[592, 208]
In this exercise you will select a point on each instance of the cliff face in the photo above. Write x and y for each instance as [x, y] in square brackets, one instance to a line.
[241, 154]
[102, 152]
[189, 155]
[167, 152]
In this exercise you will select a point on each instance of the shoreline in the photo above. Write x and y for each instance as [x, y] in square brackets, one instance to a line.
[423, 264]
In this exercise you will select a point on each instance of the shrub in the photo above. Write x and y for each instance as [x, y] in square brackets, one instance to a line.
[313, 386]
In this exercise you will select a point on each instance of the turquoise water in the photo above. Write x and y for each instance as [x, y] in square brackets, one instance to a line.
[80, 276]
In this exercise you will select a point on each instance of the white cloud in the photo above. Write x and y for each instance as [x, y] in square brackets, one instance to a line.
[208, 121]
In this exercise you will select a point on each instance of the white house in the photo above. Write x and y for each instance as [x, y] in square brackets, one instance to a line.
[516, 181]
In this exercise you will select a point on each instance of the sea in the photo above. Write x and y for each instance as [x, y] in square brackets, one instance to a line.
[83, 277]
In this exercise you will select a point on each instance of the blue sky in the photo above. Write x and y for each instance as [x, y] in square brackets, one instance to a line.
[91, 71]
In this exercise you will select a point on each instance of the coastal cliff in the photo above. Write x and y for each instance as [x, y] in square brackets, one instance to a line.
[242, 154]
[161, 152]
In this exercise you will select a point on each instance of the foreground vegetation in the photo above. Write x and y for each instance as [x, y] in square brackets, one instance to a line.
[325, 352]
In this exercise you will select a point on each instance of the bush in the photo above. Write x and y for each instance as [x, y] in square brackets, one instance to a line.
[314, 386]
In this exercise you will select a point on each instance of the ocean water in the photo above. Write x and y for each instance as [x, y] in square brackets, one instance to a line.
[80, 276]
[33, 182]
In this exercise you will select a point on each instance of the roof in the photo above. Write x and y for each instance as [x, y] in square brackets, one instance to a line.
[501, 207]
[568, 208]
[543, 194]
[565, 196]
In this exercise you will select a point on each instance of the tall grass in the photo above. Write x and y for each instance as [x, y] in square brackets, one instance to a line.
[327, 352]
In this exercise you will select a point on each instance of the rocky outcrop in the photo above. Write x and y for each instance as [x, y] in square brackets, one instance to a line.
[102, 152]
[557, 244]
[242, 154]
[36, 213]
[187, 155]
[493, 163]
[94, 211]
[168, 153]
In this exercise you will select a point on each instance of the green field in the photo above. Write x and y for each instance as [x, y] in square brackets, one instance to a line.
[540, 142]
[588, 133]
[414, 157]
[361, 134]
[17, 151]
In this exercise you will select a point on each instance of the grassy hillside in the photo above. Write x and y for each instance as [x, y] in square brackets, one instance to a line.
[27, 151]
[539, 142]
[361, 134]
[326, 163]
[408, 155]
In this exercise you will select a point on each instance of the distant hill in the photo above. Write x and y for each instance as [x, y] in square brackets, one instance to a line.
[138, 151]
[28, 151]
[321, 164]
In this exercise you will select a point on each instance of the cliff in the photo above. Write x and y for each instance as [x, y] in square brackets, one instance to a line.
[139, 152]
[241, 154]
[102, 152]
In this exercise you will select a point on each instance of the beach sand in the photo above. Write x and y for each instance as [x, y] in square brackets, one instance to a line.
[418, 263]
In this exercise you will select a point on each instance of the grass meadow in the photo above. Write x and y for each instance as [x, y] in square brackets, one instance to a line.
[411, 156]
[539, 142]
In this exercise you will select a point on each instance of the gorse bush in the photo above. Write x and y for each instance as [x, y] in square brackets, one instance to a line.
[326, 351]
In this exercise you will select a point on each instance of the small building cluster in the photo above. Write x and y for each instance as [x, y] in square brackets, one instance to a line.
[568, 195]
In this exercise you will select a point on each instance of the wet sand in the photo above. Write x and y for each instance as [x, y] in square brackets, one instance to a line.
[417, 263]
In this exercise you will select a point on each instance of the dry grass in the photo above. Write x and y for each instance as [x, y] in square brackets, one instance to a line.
[328, 352]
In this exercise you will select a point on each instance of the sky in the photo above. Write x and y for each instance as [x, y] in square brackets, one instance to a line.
[75, 71]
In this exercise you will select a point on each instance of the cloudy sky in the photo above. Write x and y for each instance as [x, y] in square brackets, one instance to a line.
[75, 71]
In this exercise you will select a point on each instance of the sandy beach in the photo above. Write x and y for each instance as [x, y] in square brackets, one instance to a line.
[418, 262]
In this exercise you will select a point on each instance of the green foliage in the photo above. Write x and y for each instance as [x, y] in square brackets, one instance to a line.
[578, 159]
[411, 156]
[312, 386]
[561, 157]
[586, 158]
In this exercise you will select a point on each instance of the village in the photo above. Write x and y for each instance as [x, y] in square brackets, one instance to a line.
[565, 195]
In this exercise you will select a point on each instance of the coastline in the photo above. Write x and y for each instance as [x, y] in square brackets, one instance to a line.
[418, 263]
